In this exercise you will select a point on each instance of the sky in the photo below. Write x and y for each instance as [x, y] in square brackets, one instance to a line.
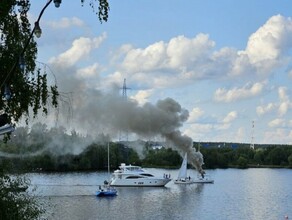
[226, 63]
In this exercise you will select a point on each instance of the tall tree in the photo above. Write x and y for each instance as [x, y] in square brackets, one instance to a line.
[24, 85]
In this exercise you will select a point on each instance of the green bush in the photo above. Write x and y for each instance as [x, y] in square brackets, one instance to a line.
[15, 202]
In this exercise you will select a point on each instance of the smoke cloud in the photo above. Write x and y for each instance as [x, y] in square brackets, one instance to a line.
[93, 112]
[112, 114]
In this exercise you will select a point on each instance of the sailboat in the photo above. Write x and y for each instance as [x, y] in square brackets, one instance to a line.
[106, 190]
[182, 177]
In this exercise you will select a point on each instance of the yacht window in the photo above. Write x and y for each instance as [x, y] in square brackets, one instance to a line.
[146, 174]
[133, 177]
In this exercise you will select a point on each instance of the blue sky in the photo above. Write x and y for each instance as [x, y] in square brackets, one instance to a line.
[227, 62]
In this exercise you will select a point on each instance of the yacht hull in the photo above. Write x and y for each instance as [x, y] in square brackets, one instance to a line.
[139, 182]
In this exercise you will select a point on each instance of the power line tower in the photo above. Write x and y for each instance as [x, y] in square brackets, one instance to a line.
[252, 136]
[125, 88]
[123, 135]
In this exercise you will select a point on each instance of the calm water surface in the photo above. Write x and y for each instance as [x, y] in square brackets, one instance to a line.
[253, 194]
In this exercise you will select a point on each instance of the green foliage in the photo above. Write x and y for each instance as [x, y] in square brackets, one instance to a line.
[28, 86]
[290, 160]
[259, 156]
[102, 11]
[15, 202]
[165, 157]
[277, 156]
[242, 162]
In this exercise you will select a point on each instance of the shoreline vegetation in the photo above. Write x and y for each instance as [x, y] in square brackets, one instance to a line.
[94, 157]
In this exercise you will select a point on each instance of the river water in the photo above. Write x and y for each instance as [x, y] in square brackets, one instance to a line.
[255, 194]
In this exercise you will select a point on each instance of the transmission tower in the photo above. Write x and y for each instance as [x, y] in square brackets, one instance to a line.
[252, 136]
[125, 88]
[123, 135]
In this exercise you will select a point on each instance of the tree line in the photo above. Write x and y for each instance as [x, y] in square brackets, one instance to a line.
[244, 157]
[43, 149]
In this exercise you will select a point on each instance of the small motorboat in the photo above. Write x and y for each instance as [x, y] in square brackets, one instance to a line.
[106, 191]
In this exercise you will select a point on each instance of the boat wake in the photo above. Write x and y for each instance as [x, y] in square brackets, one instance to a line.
[65, 185]
[66, 195]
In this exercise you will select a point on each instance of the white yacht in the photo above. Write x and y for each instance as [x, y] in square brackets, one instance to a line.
[129, 175]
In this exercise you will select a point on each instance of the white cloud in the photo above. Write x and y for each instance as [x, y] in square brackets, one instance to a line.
[261, 110]
[183, 60]
[278, 122]
[289, 73]
[180, 59]
[248, 91]
[222, 126]
[66, 23]
[195, 114]
[282, 91]
[198, 131]
[285, 103]
[142, 96]
[241, 65]
[80, 49]
[89, 71]
[114, 78]
[231, 116]
[267, 46]
[240, 135]
[182, 51]
[278, 134]
[150, 58]
[209, 132]
[283, 108]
